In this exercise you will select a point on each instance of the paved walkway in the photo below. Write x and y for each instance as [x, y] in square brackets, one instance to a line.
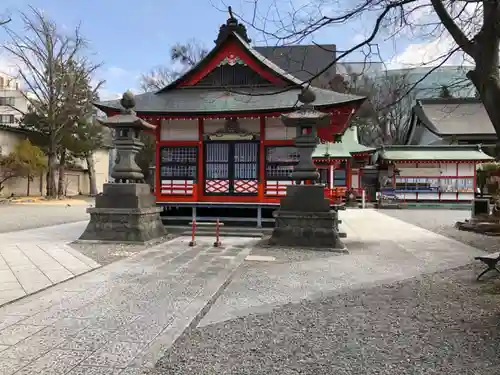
[382, 250]
[35, 259]
[120, 318]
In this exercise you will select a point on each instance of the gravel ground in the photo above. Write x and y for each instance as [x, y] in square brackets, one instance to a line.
[109, 253]
[442, 222]
[15, 217]
[442, 323]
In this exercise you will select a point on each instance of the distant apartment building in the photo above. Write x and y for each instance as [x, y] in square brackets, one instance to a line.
[12, 101]
[429, 80]
[12, 106]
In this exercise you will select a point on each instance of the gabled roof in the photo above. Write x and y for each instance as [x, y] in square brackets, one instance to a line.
[433, 153]
[347, 147]
[454, 116]
[179, 98]
[288, 78]
[302, 61]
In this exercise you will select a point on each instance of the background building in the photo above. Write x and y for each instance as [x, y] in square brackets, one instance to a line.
[13, 104]
[429, 81]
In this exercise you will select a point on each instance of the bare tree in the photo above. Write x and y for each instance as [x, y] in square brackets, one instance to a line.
[188, 54]
[384, 117]
[52, 67]
[157, 78]
[184, 55]
[472, 26]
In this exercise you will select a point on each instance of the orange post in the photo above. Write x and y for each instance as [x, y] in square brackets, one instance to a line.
[193, 233]
[217, 242]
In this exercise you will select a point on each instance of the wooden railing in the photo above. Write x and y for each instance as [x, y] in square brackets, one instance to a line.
[337, 195]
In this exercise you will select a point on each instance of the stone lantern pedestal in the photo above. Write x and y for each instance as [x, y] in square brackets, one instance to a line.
[305, 218]
[126, 211]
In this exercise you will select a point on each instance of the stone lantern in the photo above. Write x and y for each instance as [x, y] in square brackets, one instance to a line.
[127, 128]
[305, 218]
[126, 211]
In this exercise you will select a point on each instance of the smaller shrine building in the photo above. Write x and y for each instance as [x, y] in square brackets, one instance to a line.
[432, 173]
[341, 163]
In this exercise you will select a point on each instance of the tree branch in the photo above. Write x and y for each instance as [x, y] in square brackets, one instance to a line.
[456, 33]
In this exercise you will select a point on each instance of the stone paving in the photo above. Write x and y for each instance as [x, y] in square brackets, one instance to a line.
[382, 249]
[121, 318]
[31, 260]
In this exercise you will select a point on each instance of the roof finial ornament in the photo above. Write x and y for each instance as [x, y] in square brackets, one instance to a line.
[232, 26]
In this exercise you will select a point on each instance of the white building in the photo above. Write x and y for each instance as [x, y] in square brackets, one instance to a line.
[12, 101]
[13, 104]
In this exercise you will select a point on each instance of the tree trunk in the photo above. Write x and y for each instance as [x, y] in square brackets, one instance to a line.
[51, 178]
[62, 164]
[92, 178]
[488, 87]
[28, 187]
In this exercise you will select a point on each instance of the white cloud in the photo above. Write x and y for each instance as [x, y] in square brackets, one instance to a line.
[430, 54]
[106, 94]
[9, 65]
[116, 72]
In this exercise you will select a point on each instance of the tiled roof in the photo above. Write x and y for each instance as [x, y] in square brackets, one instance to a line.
[454, 116]
[192, 100]
[434, 153]
[348, 146]
[302, 61]
[207, 101]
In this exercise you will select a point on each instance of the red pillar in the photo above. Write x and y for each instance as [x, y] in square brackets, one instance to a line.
[348, 173]
[199, 176]
[262, 160]
[158, 159]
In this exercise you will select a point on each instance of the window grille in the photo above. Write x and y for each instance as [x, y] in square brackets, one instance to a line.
[280, 161]
[179, 162]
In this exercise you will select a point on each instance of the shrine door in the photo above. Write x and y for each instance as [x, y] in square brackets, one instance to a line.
[231, 168]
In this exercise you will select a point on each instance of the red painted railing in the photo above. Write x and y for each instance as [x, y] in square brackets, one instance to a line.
[338, 194]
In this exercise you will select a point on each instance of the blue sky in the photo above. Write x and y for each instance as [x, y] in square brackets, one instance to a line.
[131, 37]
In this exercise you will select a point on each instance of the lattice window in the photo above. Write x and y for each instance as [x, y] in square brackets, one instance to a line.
[178, 162]
[280, 161]
[246, 161]
[339, 177]
[237, 75]
[217, 171]
[179, 155]
[282, 154]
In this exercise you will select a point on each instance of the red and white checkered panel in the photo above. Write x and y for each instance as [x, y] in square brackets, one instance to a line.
[177, 187]
[277, 188]
[217, 186]
[246, 186]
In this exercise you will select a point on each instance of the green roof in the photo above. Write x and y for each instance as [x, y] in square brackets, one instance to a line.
[332, 150]
[441, 152]
[348, 145]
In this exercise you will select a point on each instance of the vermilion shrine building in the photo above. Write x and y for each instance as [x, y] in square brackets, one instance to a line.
[220, 140]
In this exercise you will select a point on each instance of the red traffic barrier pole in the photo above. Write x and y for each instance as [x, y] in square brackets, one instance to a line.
[193, 233]
[217, 242]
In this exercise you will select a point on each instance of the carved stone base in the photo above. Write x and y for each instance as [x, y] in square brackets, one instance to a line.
[124, 213]
[305, 220]
[307, 230]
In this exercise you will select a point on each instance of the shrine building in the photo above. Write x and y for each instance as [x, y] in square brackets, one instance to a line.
[220, 143]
